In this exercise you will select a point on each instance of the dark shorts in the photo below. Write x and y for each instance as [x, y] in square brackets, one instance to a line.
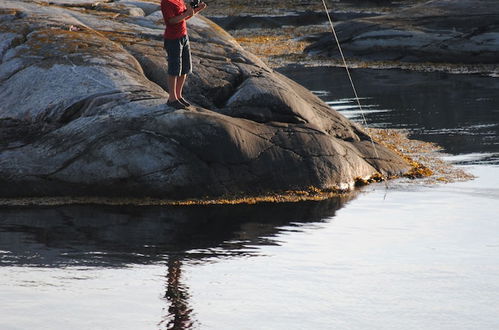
[179, 56]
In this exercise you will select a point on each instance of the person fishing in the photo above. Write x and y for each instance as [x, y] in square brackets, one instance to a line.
[176, 42]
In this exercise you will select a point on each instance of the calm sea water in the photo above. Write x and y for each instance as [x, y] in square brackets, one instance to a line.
[402, 256]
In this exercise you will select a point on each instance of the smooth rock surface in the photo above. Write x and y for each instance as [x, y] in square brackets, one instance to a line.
[84, 112]
[443, 31]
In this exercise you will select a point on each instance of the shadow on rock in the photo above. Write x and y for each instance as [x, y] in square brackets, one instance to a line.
[84, 113]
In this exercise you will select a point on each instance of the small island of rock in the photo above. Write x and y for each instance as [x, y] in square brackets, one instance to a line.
[83, 112]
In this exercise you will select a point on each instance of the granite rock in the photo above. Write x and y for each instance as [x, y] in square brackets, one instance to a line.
[441, 31]
[83, 112]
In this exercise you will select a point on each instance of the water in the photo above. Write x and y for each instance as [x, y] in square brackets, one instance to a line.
[410, 257]
[459, 112]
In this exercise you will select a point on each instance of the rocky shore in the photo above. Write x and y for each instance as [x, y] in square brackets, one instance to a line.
[438, 31]
[450, 36]
[83, 112]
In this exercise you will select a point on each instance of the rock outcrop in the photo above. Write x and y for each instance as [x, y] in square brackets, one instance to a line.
[443, 31]
[83, 112]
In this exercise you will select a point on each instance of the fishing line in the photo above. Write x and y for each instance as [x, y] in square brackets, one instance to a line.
[349, 75]
[351, 80]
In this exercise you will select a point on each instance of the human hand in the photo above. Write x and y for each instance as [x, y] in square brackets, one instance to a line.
[201, 6]
[190, 11]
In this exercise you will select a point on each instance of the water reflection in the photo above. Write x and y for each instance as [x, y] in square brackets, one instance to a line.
[118, 236]
[177, 295]
[459, 112]
[101, 236]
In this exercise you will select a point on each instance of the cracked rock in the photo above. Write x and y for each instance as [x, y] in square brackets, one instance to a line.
[84, 113]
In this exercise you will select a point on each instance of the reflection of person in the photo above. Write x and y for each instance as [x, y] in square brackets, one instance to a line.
[177, 294]
[175, 15]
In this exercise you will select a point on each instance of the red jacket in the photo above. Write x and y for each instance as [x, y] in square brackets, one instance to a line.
[170, 9]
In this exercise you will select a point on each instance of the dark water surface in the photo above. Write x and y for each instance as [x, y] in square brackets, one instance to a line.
[459, 112]
[406, 256]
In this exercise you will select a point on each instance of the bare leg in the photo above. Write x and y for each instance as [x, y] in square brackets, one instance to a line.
[180, 85]
[172, 87]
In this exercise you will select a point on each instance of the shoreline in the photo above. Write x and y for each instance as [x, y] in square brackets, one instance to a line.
[427, 167]
[284, 47]
[488, 70]
[266, 7]
[280, 36]
[274, 49]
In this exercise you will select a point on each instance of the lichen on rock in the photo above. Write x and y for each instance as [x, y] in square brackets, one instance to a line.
[84, 113]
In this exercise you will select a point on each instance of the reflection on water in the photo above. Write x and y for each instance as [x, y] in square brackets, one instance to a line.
[80, 237]
[118, 236]
[459, 112]
[398, 257]
[177, 295]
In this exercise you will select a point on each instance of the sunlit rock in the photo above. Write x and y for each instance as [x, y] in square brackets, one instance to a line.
[83, 112]
[444, 31]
